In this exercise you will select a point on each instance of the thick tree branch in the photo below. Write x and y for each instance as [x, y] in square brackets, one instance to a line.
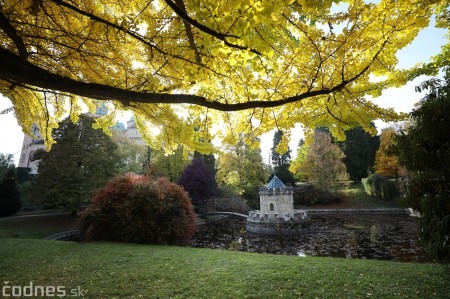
[12, 33]
[20, 71]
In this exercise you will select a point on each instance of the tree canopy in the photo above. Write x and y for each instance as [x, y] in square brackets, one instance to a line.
[323, 164]
[424, 150]
[385, 162]
[359, 149]
[83, 160]
[179, 65]
[6, 162]
[242, 167]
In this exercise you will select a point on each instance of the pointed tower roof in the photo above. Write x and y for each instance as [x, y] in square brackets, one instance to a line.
[275, 183]
[101, 109]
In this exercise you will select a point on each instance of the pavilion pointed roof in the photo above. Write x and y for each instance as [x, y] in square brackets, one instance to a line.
[275, 183]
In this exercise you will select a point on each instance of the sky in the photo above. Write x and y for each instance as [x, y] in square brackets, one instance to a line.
[402, 99]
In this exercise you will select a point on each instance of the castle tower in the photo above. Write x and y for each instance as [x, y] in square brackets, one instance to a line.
[132, 132]
[276, 199]
[276, 215]
[29, 146]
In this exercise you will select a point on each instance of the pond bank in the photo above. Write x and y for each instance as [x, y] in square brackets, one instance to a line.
[316, 211]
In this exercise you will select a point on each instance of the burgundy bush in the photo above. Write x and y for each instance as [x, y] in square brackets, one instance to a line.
[139, 209]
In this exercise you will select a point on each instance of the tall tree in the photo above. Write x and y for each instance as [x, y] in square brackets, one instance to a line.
[323, 164]
[281, 158]
[271, 62]
[386, 163]
[299, 161]
[424, 150]
[359, 149]
[6, 162]
[83, 159]
[9, 193]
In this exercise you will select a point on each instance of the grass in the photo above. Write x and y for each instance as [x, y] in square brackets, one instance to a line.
[112, 270]
[35, 226]
[356, 196]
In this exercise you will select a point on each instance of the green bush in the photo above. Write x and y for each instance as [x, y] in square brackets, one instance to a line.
[139, 209]
[307, 194]
[380, 186]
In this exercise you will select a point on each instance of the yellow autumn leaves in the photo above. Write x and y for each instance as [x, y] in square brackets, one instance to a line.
[298, 61]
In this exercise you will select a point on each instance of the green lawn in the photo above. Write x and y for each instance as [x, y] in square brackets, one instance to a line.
[355, 195]
[112, 270]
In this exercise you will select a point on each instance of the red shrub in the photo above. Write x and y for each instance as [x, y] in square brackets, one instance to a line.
[139, 209]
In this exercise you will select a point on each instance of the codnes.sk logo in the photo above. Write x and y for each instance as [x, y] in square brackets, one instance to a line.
[35, 291]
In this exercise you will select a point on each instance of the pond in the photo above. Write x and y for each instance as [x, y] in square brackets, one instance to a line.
[345, 235]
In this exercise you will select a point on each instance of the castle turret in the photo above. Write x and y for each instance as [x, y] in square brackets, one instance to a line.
[276, 214]
[276, 199]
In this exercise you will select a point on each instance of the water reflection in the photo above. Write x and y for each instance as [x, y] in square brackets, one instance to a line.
[371, 236]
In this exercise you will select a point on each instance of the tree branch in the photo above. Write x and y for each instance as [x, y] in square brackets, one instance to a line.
[16, 69]
[12, 33]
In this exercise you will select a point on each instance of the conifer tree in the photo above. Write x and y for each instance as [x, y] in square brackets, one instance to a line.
[281, 158]
[424, 150]
[82, 160]
[359, 149]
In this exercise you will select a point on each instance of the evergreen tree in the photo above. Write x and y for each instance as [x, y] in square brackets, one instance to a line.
[424, 150]
[281, 161]
[359, 149]
[6, 162]
[9, 193]
[82, 160]
[277, 158]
